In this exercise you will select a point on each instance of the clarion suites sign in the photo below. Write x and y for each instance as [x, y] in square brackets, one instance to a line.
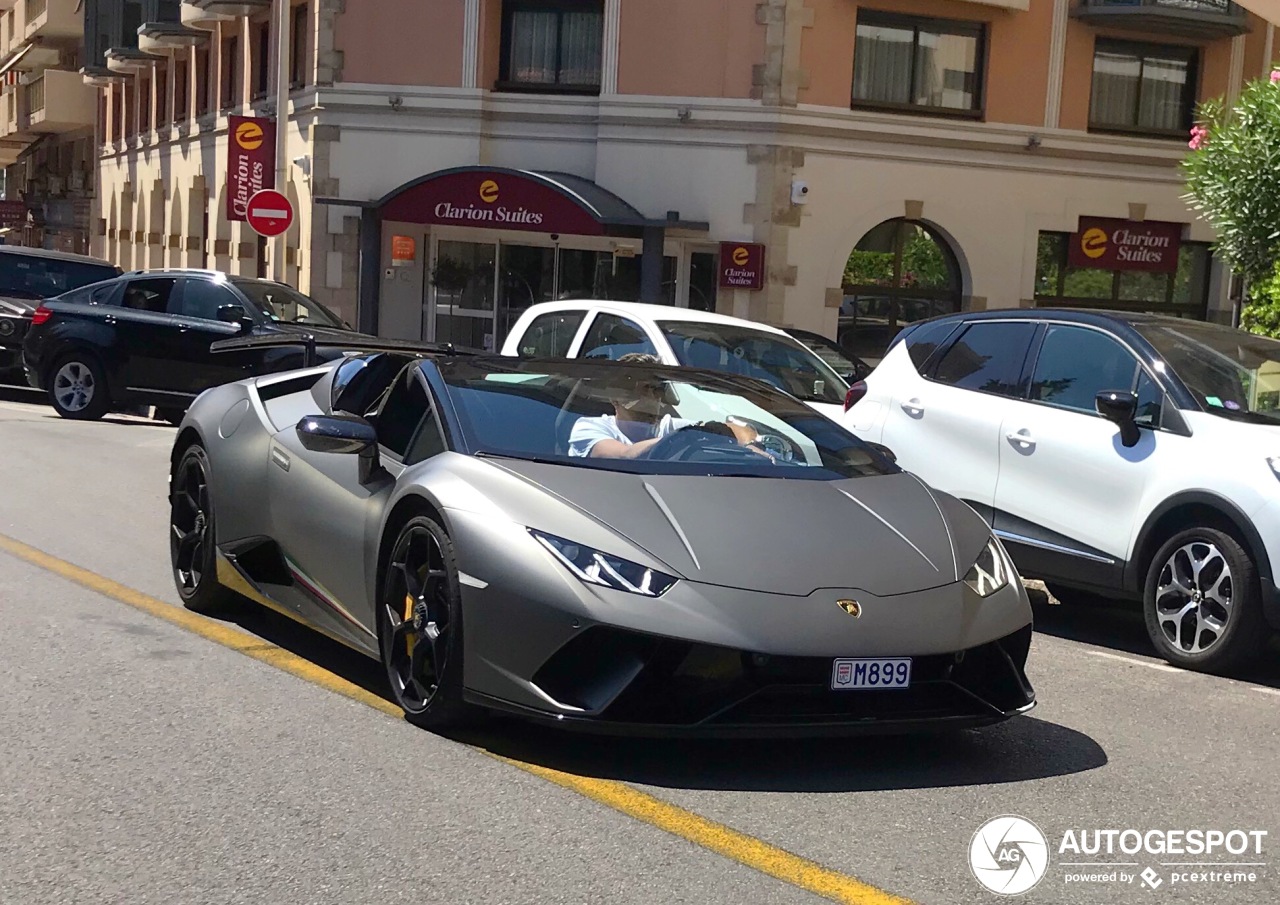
[250, 162]
[1126, 245]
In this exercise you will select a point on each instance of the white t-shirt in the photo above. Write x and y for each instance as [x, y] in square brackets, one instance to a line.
[587, 431]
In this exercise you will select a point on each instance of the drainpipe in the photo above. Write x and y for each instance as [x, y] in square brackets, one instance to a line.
[279, 269]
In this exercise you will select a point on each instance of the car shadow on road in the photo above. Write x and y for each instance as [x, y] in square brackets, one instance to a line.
[1024, 748]
[1021, 749]
[1118, 625]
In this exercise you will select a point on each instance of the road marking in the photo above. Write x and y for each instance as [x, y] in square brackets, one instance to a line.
[723, 840]
[1134, 661]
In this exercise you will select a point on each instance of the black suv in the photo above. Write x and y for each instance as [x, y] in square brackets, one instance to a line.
[27, 277]
[143, 339]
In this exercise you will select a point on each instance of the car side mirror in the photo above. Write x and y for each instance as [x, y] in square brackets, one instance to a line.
[885, 451]
[1120, 407]
[343, 435]
[235, 314]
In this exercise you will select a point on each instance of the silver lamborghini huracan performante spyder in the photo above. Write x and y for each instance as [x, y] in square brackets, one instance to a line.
[623, 547]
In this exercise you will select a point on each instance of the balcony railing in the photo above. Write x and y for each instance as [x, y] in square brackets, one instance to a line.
[36, 8]
[1196, 18]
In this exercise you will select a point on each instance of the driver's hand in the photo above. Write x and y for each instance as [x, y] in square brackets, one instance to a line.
[744, 433]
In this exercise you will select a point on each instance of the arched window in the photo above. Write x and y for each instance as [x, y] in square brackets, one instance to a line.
[900, 272]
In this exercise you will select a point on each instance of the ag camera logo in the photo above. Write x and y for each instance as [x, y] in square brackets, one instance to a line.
[1009, 855]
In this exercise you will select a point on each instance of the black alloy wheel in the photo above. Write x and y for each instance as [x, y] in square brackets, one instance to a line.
[1203, 603]
[192, 543]
[420, 626]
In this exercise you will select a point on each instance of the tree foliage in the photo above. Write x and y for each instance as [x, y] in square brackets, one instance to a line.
[1233, 176]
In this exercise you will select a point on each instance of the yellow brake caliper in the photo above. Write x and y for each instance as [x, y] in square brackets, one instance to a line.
[408, 617]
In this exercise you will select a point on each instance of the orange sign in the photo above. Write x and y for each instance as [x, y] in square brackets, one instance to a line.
[404, 251]
[488, 191]
[742, 266]
[249, 136]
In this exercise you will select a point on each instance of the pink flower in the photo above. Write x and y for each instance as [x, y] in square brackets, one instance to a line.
[1275, 76]
[1199, 134]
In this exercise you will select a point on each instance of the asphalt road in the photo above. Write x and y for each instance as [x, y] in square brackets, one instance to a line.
[141, 762]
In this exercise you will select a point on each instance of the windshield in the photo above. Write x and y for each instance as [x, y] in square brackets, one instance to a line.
[778, 360]
[282, 303]
[1230, 372]
[38, 277]
[553, 412]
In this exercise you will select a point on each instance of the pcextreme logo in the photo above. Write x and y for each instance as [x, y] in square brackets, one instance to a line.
[249, 136]
[488, 191]
[1094, 242]
[741, 256]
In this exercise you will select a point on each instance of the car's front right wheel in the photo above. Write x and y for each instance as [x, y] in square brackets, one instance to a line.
[420, 626]
[1203, 602]
[192, 538]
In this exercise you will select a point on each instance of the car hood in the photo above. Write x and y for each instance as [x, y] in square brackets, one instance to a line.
[19, 306]
[885, 535]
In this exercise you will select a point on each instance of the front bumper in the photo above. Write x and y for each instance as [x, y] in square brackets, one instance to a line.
[674, 687]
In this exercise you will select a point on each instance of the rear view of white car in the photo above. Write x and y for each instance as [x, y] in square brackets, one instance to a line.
[679, 336]
[1125, 455]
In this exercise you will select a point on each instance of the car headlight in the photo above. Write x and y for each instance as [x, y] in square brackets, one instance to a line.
[596, 567]
[990, 572]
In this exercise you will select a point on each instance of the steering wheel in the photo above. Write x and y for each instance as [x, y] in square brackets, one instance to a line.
[687, 442]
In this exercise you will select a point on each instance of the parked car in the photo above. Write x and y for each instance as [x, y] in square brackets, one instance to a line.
[428, 511]
[1127, 455]
[678, 336]
[143, 339]
[27, 277]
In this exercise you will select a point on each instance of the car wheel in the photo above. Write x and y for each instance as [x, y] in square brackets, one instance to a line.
[420, 626]
[78, 388]
[1202, 602]
[173, 415]
[192, 541]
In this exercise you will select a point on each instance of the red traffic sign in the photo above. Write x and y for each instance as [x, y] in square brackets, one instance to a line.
[270, 213]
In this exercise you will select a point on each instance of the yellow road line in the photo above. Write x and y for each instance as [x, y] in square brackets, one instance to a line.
[747, 850]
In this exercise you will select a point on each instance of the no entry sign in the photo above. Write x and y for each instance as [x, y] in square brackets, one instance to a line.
[270, 213]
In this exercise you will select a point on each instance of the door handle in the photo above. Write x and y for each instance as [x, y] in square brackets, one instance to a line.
[1022, 437]
[913, 407]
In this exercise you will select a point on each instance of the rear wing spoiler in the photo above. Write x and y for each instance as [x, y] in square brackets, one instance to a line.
[310, 343]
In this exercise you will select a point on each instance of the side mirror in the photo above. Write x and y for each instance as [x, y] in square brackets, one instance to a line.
[884, 451]
[235, 314]
[1120, 407]
[343, 435]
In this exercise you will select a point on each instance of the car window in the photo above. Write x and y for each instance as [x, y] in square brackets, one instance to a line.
[284, 303]
[402, 410]
[1150, 400]
[987, 357]
[37, 276]
[550, 334]
[924, 339]
[202, 298]
[1076, 363]
[148, 295]
[612, 337]
[93, 294]
[427, 443]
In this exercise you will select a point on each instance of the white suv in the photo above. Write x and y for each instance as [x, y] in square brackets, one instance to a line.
[678, 336]
[1126, 455]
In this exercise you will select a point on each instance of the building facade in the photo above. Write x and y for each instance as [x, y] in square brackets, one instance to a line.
[47, 116]
[453, 161]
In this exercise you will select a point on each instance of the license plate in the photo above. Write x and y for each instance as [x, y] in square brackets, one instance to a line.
[893, 672]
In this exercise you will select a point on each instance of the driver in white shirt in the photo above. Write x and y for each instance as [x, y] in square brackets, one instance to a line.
[637, 424]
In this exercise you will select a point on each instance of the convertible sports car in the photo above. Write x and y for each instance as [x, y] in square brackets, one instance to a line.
[756, 569]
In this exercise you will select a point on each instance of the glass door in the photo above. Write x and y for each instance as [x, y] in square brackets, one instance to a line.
[462, 283]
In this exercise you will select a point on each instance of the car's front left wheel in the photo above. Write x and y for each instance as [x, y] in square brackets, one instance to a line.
[420, 626]
[1203, 603]
[192, 541]
[78, 388]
